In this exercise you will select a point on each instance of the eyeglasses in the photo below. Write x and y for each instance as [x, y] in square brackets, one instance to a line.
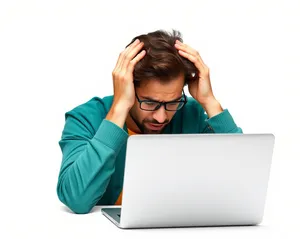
[150, 105]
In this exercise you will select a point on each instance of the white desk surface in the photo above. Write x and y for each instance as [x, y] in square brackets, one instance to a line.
[58, 222]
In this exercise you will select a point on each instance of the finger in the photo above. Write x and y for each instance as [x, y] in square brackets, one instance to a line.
[186, 48]
[193, 59]
[131, 54]
[122, 54]
[131, 46]
[134, 61]
[189, 50]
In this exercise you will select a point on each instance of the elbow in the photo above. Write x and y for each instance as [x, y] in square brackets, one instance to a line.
[73, 201]
[79, 208]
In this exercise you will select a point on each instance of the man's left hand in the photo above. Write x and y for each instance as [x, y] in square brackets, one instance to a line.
[200, 89]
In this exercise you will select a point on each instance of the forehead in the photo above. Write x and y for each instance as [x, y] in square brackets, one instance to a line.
[159, 91]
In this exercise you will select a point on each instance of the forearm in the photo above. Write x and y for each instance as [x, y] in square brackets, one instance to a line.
[87, 168]
[118, 114]
[212, 108]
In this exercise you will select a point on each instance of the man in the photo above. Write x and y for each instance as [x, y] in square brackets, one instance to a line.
[148, 81]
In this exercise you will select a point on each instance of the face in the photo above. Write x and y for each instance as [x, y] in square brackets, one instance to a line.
[153, 122]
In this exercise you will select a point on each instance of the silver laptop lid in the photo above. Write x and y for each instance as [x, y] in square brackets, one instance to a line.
[196, 179]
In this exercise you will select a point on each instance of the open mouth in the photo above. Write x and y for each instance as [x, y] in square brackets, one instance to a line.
[155, 126]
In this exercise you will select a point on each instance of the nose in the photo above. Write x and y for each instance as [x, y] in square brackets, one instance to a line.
[160, 115]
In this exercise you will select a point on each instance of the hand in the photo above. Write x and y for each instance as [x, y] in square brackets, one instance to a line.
[199, 89]
[124, 94]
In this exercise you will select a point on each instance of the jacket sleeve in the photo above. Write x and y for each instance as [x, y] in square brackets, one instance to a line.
[220, 123]
[88, 162]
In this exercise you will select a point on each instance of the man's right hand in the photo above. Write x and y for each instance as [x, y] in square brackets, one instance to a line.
[123, 74]
[124, 94]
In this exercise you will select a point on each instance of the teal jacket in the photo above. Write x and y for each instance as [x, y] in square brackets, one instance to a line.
[93, 150]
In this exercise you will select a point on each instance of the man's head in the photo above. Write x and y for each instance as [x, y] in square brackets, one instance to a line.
[160, 76]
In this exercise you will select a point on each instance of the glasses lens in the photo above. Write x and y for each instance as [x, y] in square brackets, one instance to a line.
[149, 105]
[172, 106]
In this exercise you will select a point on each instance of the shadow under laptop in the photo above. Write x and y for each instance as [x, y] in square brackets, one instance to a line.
[221, 228]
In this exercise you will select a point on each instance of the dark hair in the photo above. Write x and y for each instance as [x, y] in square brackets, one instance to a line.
[162, 60]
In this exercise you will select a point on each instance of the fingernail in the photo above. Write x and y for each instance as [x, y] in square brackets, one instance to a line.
[137, 41]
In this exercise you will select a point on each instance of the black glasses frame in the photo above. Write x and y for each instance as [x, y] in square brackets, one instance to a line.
[162, 103]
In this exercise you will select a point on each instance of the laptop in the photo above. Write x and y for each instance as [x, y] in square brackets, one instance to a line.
[192, 180]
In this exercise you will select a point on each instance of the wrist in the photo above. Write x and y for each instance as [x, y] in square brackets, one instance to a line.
[212, 107]
[117, 114]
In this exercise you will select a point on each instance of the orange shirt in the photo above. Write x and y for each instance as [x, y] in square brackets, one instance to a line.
[119, 201]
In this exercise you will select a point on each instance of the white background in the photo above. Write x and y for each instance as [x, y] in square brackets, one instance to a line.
[55, 55]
